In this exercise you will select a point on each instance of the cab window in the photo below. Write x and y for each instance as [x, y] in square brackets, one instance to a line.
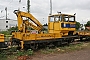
[72, 18]
[57, 18]
[65, 18]
[52, 19]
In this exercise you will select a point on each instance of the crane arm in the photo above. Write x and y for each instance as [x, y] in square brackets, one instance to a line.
[27, 23]
[21, 14]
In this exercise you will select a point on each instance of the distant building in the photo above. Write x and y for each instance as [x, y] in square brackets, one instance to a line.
[6, 24]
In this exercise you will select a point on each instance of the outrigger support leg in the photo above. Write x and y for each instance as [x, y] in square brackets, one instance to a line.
[22, 44]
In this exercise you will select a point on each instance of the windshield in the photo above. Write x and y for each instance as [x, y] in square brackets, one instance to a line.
[72, 18]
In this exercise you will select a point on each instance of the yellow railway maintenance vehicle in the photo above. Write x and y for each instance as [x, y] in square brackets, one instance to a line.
[60, 26]
[83, 35]
[2, 41]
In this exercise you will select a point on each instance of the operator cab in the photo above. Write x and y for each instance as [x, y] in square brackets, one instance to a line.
[61, 23]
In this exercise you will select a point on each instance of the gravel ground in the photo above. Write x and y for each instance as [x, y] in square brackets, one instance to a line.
[76, 55]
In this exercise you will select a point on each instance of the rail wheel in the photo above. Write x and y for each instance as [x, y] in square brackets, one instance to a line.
[34, 46]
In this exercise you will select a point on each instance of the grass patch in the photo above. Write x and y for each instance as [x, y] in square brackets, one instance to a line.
[70, 48]
[25, 53]
[47, 50]
[13, 53]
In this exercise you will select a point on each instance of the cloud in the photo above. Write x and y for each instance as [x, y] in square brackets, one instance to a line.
[41, 8]
[68, 5]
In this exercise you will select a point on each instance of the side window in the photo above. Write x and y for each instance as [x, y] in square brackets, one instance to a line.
[56, 18]
[72, 18]
[51, 19]
[66, 18]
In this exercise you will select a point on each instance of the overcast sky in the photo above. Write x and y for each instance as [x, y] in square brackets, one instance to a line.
[41, 8]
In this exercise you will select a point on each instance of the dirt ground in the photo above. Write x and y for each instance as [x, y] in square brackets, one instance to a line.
[76, 55]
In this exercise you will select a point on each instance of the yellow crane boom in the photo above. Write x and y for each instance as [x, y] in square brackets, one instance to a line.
[27, 23]
[20, 16]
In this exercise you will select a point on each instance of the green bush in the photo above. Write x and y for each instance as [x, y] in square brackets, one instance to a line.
[12, 49]
[30, 52]
[5, 32]
[3, 54]
[22, 53]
